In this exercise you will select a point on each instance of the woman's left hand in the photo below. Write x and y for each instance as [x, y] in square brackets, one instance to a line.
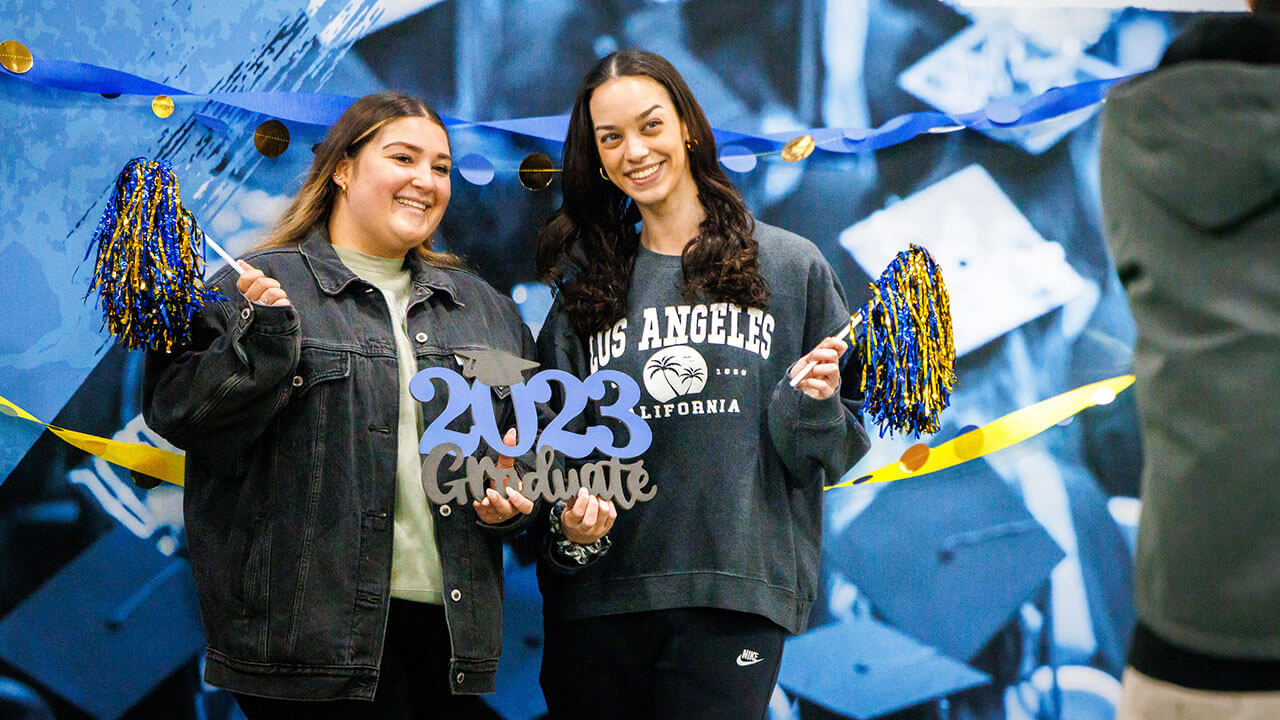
[587, 518]
[495, 509]
[824, 379]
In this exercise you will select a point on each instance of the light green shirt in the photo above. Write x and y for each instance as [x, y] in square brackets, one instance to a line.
[415, 561]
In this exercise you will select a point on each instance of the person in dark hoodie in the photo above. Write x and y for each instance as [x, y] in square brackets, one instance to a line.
[1190, 167]
[662, 274]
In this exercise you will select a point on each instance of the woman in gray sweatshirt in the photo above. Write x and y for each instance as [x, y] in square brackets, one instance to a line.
[661, 273]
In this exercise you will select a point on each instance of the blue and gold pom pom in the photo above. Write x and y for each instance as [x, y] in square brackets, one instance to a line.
[907, 346]
[149, 272]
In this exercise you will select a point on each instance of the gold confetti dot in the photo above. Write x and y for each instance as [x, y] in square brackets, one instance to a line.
[535, 171]
[162, 106]
[798, 149]
[271, 138]
[15, 57]
[914, 458]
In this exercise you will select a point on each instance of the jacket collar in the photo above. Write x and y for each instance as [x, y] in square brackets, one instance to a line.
[333, 276]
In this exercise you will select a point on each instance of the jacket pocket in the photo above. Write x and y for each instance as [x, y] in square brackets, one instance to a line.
[317, 365]
[370, 570]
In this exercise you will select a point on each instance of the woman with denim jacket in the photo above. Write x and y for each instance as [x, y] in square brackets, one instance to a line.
[662, 274]
[329, 586]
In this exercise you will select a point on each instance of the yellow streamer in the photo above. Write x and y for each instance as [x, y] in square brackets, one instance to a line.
[918, 460]
[997, 434]
[156, 462]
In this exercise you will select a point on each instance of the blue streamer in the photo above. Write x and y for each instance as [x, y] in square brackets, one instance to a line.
[322, 110]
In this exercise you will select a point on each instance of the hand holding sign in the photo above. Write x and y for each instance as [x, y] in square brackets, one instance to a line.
[497, 506]
[587, 518]
[452, 472]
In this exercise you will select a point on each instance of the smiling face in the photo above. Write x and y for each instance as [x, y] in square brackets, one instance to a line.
[641, 141]
[397, 189]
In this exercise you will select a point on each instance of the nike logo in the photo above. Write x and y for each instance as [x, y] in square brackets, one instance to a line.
[749, 657]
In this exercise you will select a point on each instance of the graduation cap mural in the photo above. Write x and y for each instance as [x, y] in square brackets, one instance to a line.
[949, 557]
[88, 634]
[865, 669]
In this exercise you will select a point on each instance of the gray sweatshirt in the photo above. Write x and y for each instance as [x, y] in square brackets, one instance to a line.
[738, 458]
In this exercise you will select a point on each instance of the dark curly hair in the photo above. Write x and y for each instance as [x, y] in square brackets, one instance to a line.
[587, 249]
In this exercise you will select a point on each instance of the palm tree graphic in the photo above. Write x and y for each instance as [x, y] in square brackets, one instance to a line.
[666, 365]
[689, 375]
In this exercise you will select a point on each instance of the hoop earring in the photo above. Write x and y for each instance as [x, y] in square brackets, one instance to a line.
[337, 180]
[690, 144]
[606, 177]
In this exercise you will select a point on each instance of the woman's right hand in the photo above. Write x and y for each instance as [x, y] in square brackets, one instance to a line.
[495, 508]
[260, 289]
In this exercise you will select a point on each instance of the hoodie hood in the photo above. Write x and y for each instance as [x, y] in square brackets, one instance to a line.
[1201, 139]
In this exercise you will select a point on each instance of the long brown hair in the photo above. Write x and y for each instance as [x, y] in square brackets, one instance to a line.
[587, 249]
[312, 205]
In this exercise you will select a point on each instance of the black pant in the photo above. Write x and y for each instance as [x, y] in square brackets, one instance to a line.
[413, 682]
[696, 663]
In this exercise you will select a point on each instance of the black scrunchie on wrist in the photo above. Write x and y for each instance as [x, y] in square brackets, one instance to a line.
[570, 551]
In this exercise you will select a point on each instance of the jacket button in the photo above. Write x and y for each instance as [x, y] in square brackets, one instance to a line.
[445, 510]
[245, 313]
[456, 594]
[297, 381]
[420, 337]
[460, 678]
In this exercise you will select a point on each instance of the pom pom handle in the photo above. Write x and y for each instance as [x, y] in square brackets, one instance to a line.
[235, 265]
[846, 331]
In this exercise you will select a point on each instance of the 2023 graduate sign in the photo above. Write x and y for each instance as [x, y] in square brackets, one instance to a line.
[623, 483]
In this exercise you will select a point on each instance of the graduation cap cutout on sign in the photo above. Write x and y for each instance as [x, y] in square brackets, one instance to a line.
[495, 368]
[865, 669]
[948, 557]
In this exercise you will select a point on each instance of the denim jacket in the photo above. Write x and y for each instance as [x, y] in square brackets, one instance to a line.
[288, 416]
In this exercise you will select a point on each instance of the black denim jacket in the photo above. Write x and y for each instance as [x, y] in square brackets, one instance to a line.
[288, 416]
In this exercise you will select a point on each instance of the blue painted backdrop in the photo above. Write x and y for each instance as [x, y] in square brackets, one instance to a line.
[1029, 209]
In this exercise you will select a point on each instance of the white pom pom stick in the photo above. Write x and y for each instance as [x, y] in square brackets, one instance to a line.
[845, 332]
